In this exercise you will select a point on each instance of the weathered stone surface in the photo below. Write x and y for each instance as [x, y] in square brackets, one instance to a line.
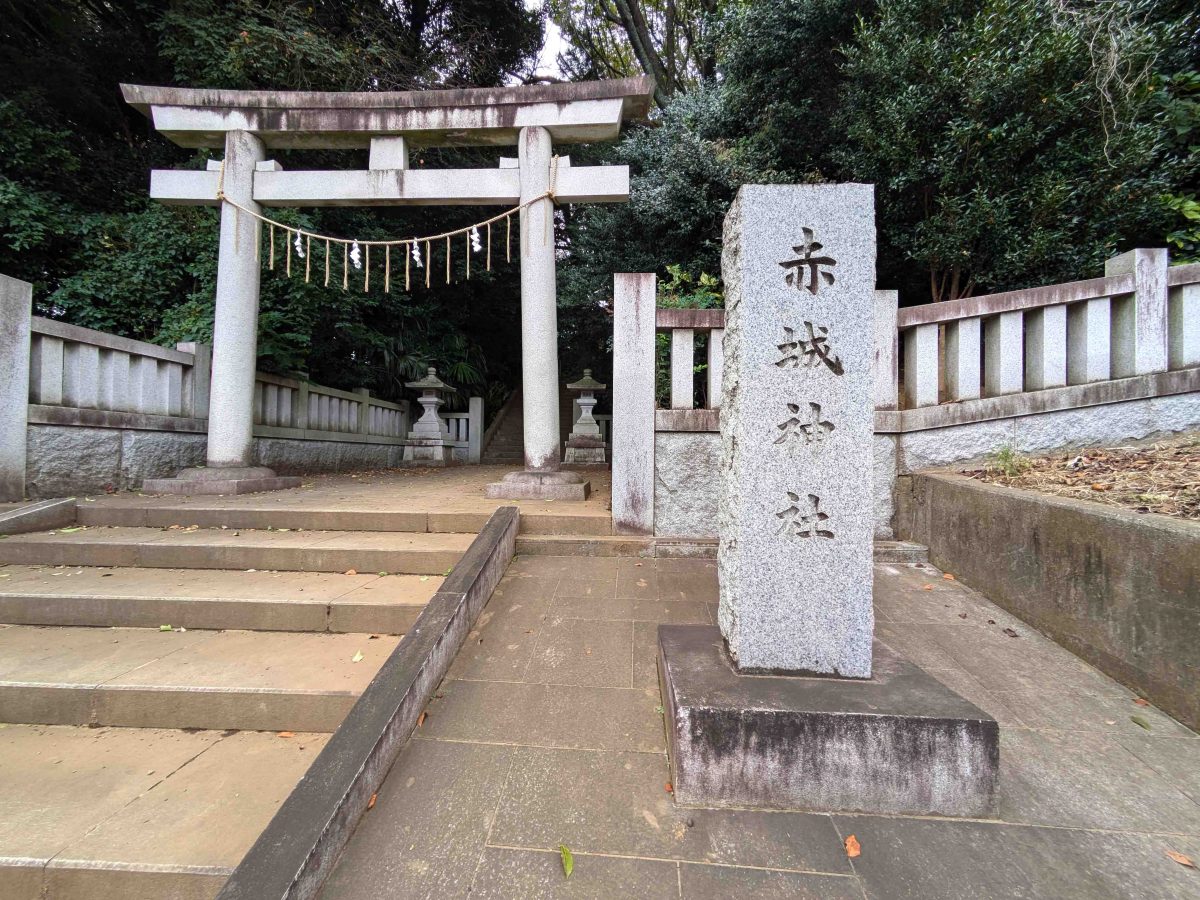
[64, 461]
[884, 452]
[900, 742]
[16, 304]
[38, 516]
[796, 511]
[686, 487]
[293, 457]
[158, 454]
[941, 446]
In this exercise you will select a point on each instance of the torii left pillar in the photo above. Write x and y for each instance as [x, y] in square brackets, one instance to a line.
[229, 468]
[542, 477]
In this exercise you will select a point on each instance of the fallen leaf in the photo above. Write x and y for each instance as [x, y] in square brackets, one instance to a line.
[1099, 487]
[371, 802]
[286, 734]
[1010, 632]
[670, 788]
[1141, 701]
[962, 615]
[421, 719]
[928, 587]
[853, 848]
[1180, 858]
[164, 628]
[1140, 722]
[568, 861]
[948, 576]
[351, 571]
[358, 657]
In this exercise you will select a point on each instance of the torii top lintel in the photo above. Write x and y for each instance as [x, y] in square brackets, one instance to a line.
[573, 112]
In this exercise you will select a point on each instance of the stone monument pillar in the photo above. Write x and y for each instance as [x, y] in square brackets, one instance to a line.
[797, 430]
[427, 441]
[843, 724]
[585, 445]
[229, 468]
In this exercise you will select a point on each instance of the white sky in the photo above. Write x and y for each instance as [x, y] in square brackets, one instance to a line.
[548, 59]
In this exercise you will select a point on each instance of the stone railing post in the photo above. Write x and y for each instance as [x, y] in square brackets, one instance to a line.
[633, 403]
[884, 362]
[300, 416]
[474, 429]
[1139, 326]
[364, 410]
[16, 311]
[197, 385]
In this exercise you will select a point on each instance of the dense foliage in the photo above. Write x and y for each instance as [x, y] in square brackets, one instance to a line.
[74, 159]
[1012, 142]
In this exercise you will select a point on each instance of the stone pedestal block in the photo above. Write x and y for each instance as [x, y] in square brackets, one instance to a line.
[539, 486]
[797, 425]
[585, 451]
[900, 742]
[424, 452]
[221, 480]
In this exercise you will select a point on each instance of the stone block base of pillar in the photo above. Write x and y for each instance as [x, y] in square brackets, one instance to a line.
[899, 742]
[221, 480]
[585, 451]
[427, 452]
[539, 486]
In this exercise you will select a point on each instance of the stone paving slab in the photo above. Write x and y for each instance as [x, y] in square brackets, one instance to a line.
[185, 805]
[449, 499]
[1090, 800]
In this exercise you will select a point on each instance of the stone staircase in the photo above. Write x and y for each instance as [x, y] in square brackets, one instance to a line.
[165, 685]
[507, 446]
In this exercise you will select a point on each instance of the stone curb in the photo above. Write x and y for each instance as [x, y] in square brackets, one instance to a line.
[39, 516]
[299, 847]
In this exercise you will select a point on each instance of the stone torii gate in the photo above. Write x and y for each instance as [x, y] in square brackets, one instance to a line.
[248, 124]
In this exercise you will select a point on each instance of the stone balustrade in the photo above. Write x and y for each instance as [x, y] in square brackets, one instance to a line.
[84, 410]
[1088, 362]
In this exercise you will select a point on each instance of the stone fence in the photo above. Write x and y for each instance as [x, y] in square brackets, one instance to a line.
[1085, 363]
[84, 411]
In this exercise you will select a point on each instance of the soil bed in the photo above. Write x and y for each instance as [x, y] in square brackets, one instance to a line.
[1163, 477]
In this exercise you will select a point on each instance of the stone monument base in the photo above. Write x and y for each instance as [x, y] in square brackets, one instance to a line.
[898, 742]
[221, 480]
[427, 452]
[584, 451]
[539, 486]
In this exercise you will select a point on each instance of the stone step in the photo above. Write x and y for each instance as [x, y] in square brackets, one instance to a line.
[212, 599]
[691, 548]
[404, 553]
[147, 678]
[266, 513]
[900, 552]
[136, 813]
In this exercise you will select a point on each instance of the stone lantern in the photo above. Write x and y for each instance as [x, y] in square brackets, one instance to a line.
[427, 443]
[585, 446]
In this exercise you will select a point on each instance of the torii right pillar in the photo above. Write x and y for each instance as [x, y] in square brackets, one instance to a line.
[842, 723]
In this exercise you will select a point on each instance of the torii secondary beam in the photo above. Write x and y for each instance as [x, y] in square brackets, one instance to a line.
[394, 187]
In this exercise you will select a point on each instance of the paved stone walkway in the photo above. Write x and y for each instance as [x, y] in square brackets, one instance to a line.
[548, 731]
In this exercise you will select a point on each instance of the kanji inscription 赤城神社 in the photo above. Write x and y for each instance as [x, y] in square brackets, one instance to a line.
[808, 351]
[814, 429]
[806, 260]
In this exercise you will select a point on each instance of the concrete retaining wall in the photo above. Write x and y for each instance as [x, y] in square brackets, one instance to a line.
[64, 460]
[1117, 588]
[686, 482]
